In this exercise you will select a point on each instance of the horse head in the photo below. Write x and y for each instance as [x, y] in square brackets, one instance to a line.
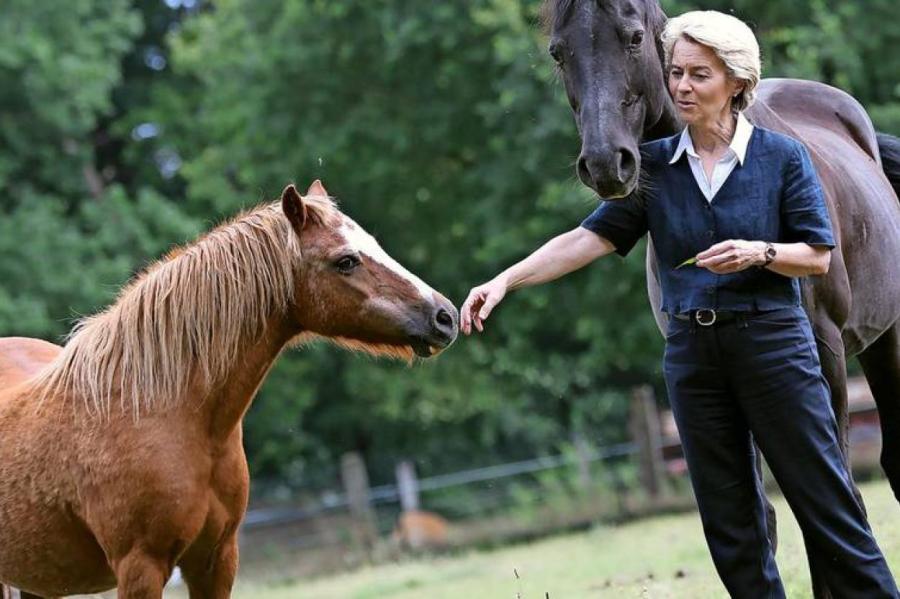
[347, 288]
[610, 61]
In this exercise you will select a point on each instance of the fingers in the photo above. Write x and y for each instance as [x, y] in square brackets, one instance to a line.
[489, 303]
[478, 306]
[467, 314]
[715, 250]
[725, 257]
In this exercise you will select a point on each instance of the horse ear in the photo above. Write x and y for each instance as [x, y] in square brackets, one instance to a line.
[293, 207]
[316, 189]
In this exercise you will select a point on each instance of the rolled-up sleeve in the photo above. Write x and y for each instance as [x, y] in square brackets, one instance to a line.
[803, 211]
[621, 222]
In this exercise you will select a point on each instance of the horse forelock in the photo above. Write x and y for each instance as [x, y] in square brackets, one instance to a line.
[554, 13]
[183, 320]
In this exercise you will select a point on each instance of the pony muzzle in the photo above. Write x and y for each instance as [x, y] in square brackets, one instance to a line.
[440, 332]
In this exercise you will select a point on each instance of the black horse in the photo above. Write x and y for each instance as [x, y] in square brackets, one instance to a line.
[611, 62]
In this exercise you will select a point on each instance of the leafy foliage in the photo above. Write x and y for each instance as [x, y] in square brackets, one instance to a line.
[126, 127]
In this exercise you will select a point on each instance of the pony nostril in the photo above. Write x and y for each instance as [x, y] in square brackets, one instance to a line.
[443, 318]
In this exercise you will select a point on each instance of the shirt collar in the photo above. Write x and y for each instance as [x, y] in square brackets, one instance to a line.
[739, 141]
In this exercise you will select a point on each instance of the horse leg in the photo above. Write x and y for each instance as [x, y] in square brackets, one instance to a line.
[771, 520]
[881, 364]
[141, 576]
[834, 369]
[210, 574]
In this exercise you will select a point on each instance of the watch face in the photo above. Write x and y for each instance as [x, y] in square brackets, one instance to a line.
[770, 252]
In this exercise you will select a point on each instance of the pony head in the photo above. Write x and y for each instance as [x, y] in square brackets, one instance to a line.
[347, 288]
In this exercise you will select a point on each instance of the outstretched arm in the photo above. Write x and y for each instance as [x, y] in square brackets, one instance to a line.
[559, 256]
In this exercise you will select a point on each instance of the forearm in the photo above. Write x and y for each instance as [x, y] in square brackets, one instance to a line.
[559, 256]
[799, 259]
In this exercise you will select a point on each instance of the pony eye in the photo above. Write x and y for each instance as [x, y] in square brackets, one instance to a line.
[346, 264]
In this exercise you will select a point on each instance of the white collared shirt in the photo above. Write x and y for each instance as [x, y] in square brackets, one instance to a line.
[736, 152]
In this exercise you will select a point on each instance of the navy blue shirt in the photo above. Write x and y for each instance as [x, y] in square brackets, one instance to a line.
[774, 196]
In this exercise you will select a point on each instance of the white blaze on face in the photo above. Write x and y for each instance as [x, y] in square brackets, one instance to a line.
[364, 243]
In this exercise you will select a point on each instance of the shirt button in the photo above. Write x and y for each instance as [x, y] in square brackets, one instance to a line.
[710, 234]
[710, 289]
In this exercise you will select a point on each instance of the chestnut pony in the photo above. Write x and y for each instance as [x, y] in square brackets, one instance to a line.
[121, 451]
[611, 62]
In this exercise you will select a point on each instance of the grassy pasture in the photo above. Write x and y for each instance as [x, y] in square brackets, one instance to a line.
[658, 557]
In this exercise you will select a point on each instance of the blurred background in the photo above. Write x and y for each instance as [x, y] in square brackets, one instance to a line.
[129, 126]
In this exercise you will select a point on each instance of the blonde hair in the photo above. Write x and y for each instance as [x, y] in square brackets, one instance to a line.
[729, 37]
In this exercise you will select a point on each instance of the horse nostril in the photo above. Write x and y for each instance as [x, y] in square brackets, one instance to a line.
[443, 318]
[627, 165]
[585, 172]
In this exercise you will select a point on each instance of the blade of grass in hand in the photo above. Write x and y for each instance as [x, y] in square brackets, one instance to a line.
[686, 262]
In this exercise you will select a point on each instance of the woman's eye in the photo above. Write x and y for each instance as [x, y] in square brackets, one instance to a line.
[347, 264]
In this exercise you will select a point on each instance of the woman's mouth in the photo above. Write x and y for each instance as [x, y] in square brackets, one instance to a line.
[684, 104]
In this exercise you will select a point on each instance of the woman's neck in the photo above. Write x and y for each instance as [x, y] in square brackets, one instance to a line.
[709, 137]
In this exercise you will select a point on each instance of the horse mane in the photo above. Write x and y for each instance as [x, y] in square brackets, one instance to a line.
[186, 317]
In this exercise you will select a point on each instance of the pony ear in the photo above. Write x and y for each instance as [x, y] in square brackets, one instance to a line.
[316, 189]
[293, 207]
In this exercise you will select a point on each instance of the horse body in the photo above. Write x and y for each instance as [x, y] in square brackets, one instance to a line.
[117, 486]
[863, 289]
[610, 58]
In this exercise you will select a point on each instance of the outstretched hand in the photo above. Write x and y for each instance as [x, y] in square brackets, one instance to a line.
[479, 304]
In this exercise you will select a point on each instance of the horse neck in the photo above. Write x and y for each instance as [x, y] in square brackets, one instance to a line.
[668, 123]
[225, 404]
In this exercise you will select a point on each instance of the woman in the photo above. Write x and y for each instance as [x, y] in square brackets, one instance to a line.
[744, 204]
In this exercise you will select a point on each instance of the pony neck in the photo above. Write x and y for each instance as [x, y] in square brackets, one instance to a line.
[225, 404]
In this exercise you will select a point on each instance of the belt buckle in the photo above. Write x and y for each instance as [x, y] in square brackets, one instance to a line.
[701, 317]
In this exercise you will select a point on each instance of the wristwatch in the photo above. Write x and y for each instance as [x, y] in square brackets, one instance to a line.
[769, 253]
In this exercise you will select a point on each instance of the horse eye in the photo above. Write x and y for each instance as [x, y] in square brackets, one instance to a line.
[637, 38]
[346, 264]
[631, 100]
[555, 51]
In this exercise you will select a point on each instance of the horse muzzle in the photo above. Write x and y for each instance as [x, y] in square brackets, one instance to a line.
[612, 175]
[439, 332]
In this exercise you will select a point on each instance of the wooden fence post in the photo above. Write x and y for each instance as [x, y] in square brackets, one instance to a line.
[407, 486]
[356, 485]
[584, 454]
[645, 431]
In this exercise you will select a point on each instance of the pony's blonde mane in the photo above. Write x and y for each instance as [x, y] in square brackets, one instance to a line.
[184, 320]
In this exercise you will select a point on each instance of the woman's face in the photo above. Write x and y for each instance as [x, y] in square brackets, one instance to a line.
[699, 83]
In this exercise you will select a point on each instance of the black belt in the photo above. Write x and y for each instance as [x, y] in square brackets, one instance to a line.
[709, 317]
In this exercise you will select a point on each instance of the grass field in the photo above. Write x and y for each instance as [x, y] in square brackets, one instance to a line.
[656, 557]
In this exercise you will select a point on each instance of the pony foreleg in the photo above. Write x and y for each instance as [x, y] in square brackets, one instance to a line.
[140, 576]
[881, 364]
[210, 575]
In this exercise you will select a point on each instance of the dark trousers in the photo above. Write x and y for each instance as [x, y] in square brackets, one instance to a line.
[759, 378]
